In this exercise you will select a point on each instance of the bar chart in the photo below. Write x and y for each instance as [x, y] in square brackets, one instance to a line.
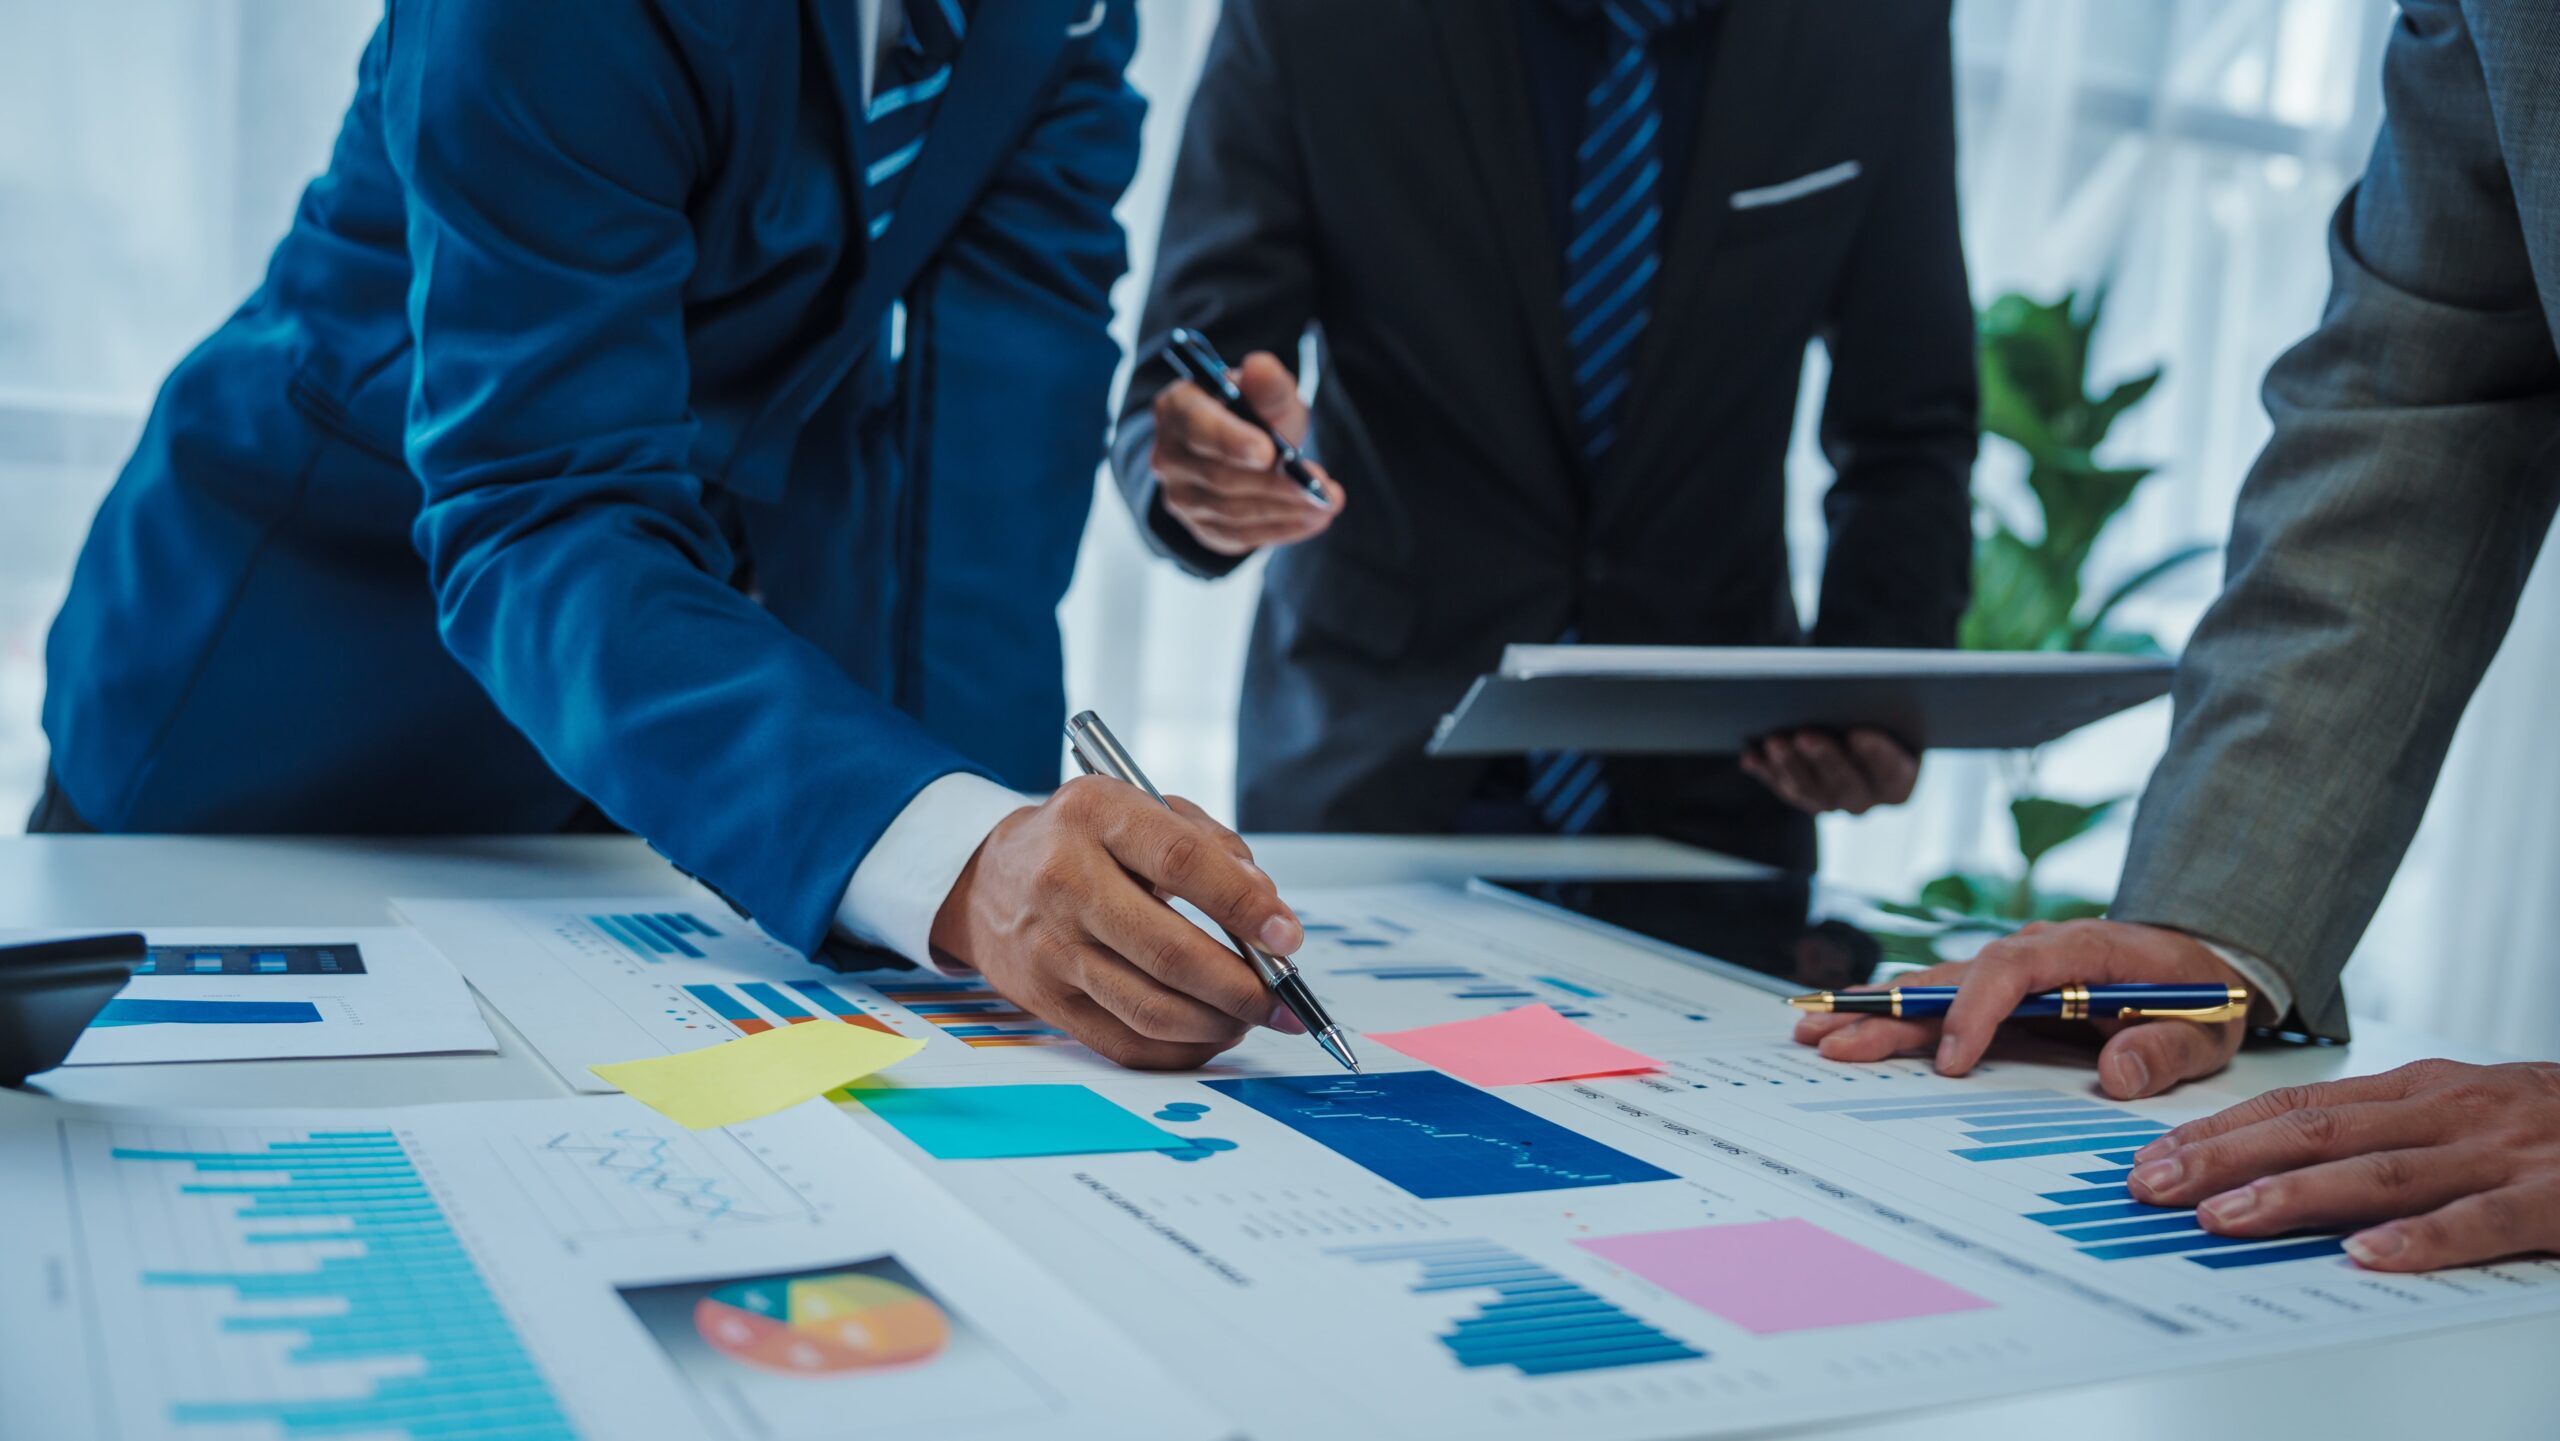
[2097, 1215]
[969, 1010]
[751, 1007]
[655, 935]
[1538, 1322]
[331, 1242]
[253, 960]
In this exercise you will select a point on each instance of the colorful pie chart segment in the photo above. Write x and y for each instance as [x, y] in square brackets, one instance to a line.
[823, 1325]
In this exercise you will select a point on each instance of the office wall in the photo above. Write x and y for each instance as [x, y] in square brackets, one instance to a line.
[2189, 151]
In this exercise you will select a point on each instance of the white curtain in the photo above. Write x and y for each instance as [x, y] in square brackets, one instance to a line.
[2188, 152]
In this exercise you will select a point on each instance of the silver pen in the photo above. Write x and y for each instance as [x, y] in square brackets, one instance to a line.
[1099, 752]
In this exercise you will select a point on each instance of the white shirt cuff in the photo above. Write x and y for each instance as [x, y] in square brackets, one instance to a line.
[2274, 997]
[901, 885]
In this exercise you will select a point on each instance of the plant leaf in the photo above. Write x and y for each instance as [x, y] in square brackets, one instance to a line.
[2044, 823]
[2149, 575]
[2069, 908]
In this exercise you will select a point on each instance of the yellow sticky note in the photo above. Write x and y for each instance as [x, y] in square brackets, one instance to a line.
[756, 1075]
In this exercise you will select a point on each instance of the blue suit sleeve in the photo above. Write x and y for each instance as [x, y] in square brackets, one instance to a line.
[548, 151]
[1009, 332]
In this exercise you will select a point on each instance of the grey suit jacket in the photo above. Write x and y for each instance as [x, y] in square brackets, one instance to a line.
[2383, 536]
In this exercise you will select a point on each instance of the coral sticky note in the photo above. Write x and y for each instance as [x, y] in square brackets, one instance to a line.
[1532, 1043]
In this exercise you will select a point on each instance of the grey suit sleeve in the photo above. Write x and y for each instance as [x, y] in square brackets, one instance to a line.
[1235, 260]
[1899, 420]
[2378, 550]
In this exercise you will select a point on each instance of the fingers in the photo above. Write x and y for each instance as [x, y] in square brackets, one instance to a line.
[1090, 1022]
[2182, 1175]
[1229, 840]
[1891, 771]
[1157, 1010]
[1180, 858]
[2146, 1059]
[2377, 1186]
[2480, 1227]
[2002, 974]
[1872, 1038]
[1814, 772]
[1192, 423]
[1273, 393]
[1776, 763]
[2390, 1085]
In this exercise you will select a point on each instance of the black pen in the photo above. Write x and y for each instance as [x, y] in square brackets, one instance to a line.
[1191, 353]
[1098, 752]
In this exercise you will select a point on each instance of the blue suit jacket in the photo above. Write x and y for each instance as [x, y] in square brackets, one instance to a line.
[583, 316]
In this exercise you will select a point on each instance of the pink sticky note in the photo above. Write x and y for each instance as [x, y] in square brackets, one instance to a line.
[1513, 1048]
[1773, 1276]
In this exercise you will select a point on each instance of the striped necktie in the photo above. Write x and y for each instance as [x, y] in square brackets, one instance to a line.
[905, 88]
[1613, 239]
[1612, 255]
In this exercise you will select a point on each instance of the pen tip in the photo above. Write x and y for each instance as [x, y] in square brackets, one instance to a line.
[1818, 1001]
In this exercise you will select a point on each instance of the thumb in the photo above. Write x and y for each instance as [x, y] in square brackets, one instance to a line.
[2146, 1059]
[1273, 393]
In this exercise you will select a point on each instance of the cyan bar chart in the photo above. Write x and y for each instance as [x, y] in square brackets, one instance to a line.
[1539, 1323]
[332, 1241]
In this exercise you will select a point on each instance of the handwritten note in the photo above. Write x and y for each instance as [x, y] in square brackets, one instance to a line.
[975, 1123]
[1770, 1277]
[1515, 1047]
[756, 1075]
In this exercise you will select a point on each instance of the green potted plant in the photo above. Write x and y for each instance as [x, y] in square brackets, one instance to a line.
[2029, 589]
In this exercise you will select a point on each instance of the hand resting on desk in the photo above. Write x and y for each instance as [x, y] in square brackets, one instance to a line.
[2143, 1059]
[1062, 911]
[2444, 1164]
[2459, 1163]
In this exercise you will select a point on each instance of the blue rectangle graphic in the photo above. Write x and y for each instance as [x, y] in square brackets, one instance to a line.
[1437, 1137]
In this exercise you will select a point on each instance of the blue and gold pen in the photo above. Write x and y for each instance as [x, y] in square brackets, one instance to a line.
[2071, 1003]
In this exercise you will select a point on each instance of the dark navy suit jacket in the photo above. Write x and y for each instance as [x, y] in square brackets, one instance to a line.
[578, 443]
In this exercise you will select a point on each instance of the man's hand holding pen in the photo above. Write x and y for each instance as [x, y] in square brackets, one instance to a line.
[1063, 910]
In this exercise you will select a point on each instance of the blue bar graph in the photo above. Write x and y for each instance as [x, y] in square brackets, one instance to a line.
[2100, 1218]
[409, 1301]
[2315, 1247]
[1437, 1137]
[148, 1012]
[1539, 1324]
[2085, 1128]
[2067, 1147]
[2088, 1195]
[253, 960]
[654, 936]
[772, 999]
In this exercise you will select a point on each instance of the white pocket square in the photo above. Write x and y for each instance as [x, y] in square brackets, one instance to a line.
[1798, 188]
[1090, 23]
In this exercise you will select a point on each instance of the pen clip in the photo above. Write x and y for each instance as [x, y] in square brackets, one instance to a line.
[2235, 1004]
[2227, 1011]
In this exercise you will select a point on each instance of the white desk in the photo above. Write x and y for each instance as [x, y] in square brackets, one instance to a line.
[2479, 1382]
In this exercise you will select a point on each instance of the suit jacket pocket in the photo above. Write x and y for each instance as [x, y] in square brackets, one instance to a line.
[1326, 603]
[1830, 193]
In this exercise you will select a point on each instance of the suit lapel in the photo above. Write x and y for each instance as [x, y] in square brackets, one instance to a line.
[1480, 48]
[1741, 116]
[998, 79]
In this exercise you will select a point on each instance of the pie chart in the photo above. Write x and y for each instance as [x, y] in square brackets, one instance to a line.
[822, 1325]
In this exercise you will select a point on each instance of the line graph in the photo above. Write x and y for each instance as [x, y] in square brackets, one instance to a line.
[1437, 1137]
[635, 1178]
